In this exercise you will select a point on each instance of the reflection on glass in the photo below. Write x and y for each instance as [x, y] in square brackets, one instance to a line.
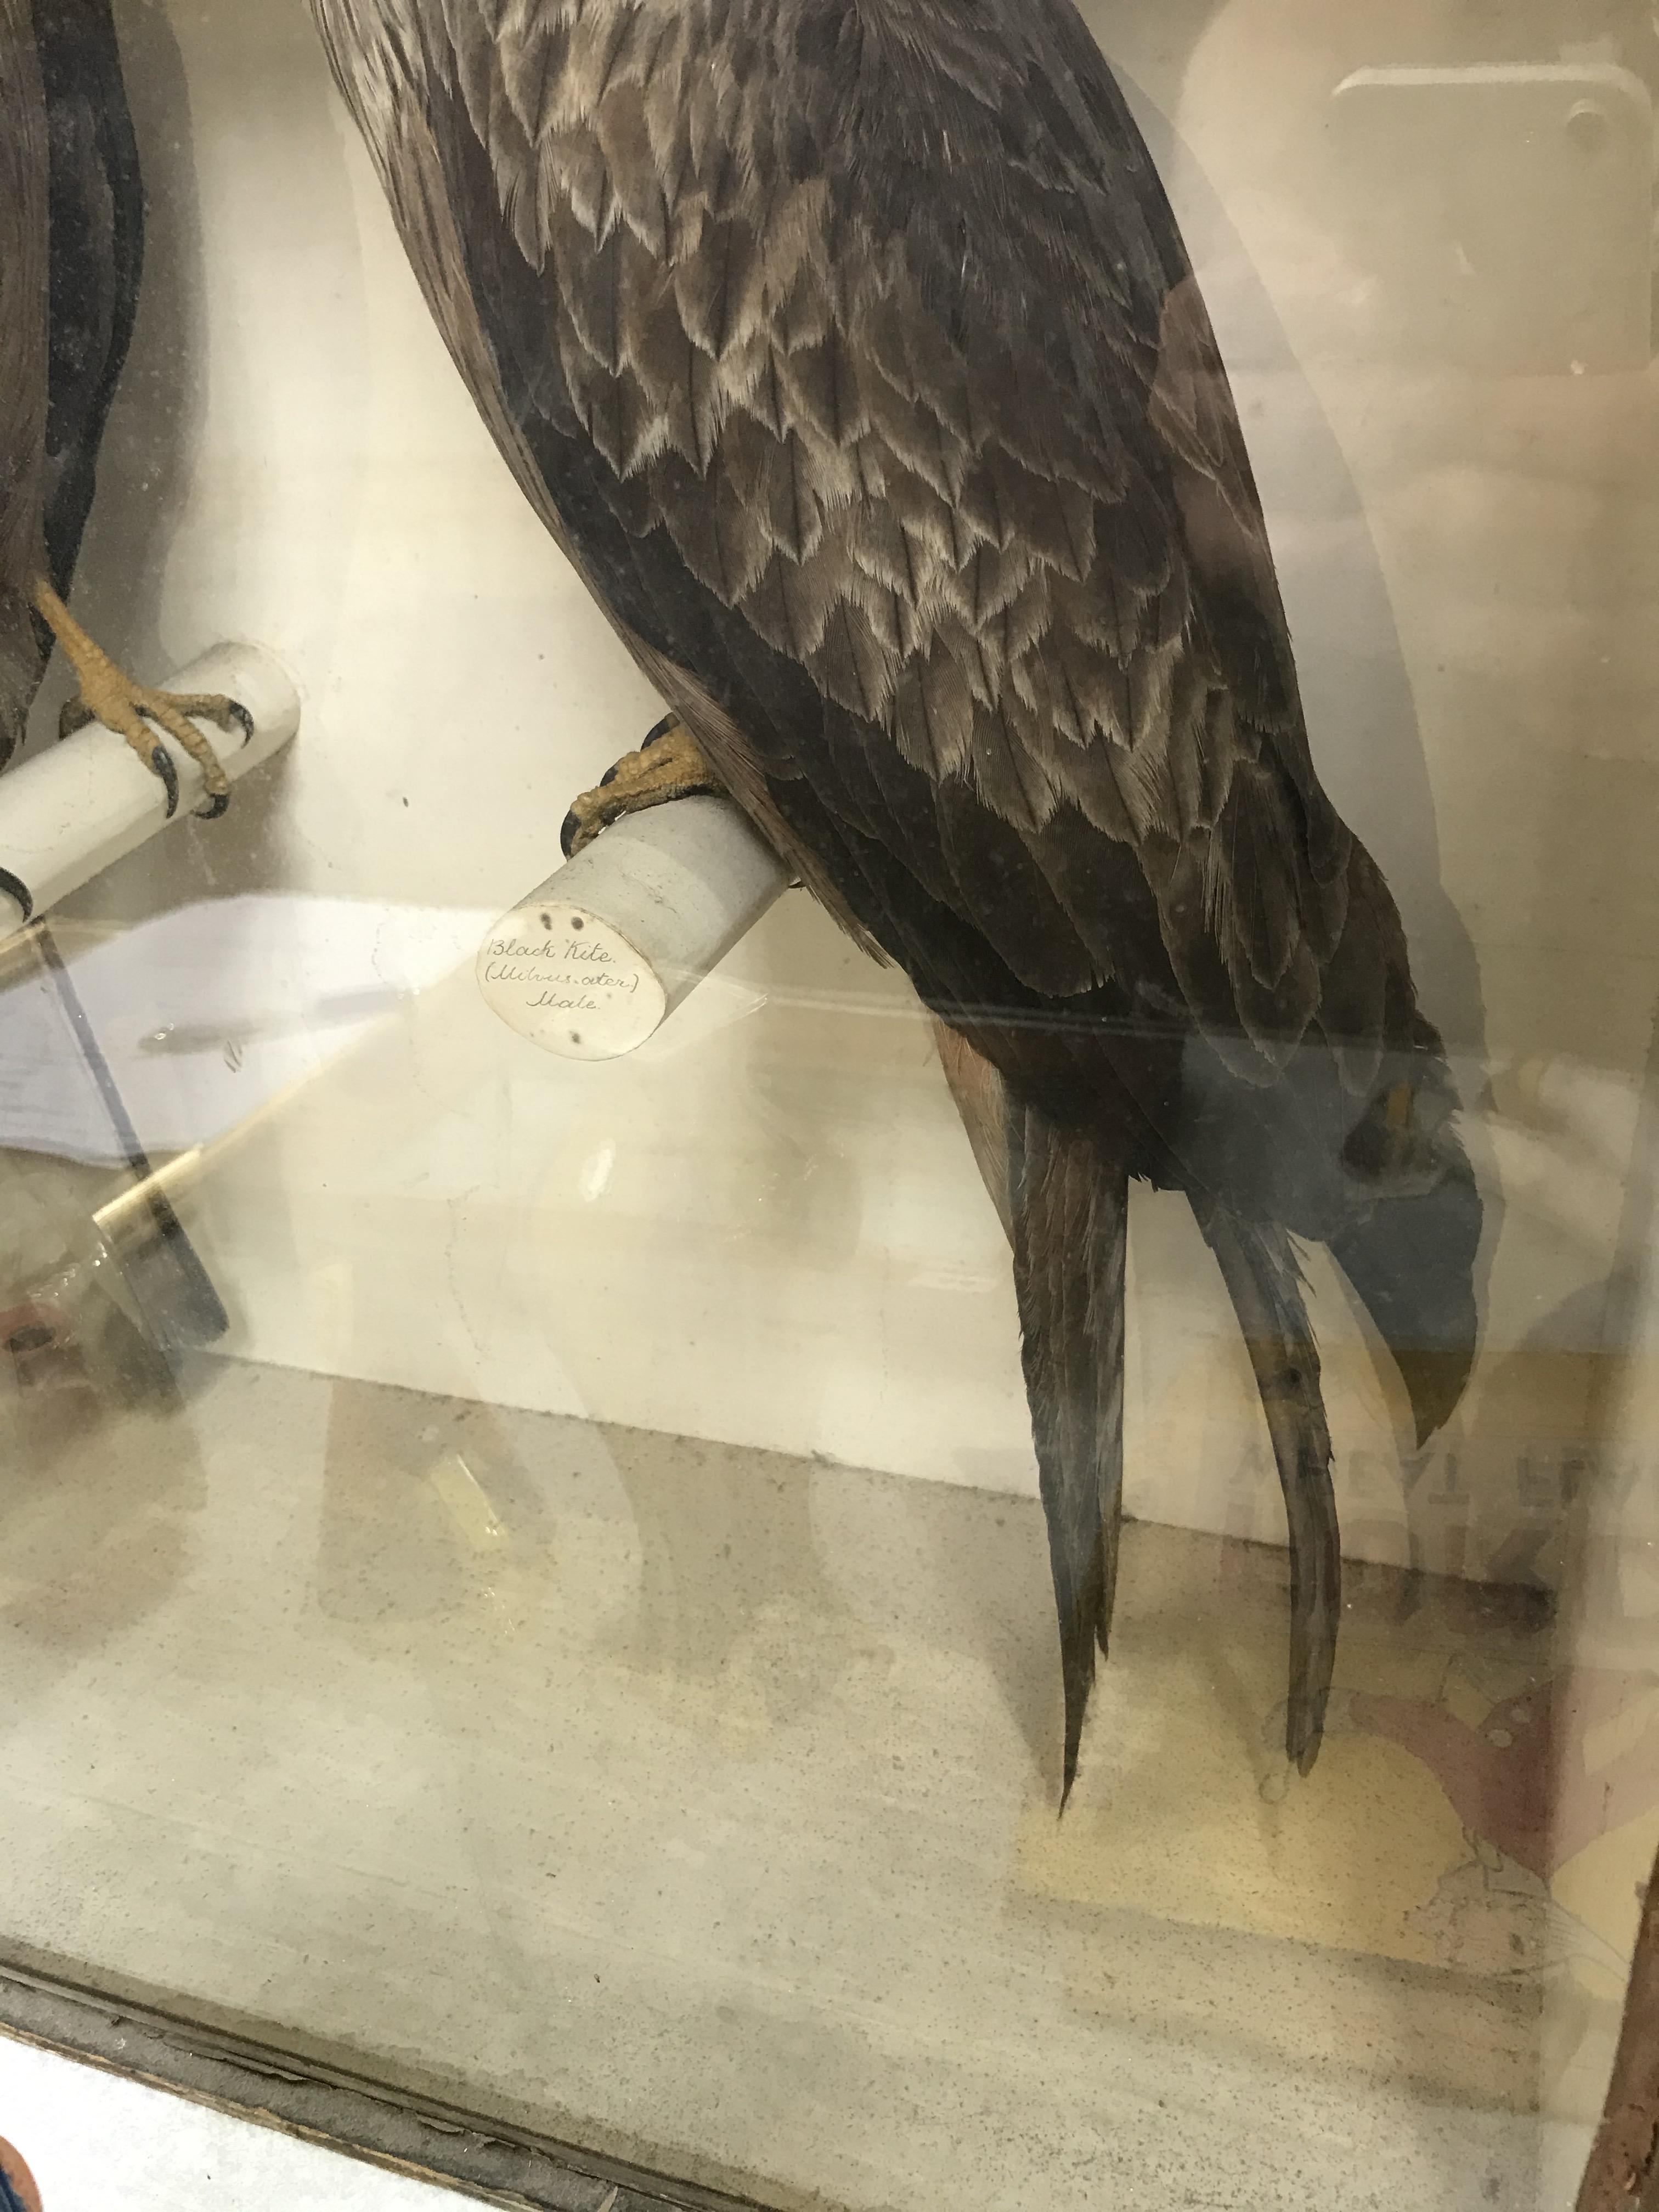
[1160, 547]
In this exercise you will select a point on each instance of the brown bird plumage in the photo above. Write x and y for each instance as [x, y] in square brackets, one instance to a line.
[71, 254]
[850, 350]
[72, 244]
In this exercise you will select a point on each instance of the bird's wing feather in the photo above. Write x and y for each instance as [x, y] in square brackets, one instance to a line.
[96, 229]
[23, 279]
[862, 362]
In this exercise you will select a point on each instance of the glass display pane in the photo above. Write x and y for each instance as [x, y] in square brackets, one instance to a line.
[528, 1574]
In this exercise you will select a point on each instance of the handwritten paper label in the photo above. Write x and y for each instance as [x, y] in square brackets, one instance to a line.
[570, 982]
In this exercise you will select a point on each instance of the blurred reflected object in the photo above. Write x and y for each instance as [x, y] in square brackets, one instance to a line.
[1503, 213]
[115, 1316]
[208, 1013]
[17, 2190]
[427, 1514]
[127, 1295]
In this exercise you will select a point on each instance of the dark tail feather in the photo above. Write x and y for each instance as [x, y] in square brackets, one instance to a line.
[1265, 1285]
[1068, 1196]
[1412, 1264]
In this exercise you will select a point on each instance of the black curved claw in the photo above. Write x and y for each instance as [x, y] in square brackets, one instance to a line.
[610, 776]
[216, 805]
[659, 731]
[15, 887]
[240, 715]
[567, 833]
[162, 760]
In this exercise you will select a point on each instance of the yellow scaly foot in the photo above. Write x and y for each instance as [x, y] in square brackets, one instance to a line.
[668, 765]
[109, 694]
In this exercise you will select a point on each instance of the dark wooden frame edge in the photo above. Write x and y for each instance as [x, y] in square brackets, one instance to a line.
[420, 2136]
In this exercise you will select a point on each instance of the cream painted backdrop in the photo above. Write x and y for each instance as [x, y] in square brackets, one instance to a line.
[766, 1227]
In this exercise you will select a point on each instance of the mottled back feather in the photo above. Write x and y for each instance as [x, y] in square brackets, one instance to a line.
[861, 338]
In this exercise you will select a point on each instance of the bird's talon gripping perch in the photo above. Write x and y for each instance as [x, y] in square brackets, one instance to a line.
[668, 765]
[135, 711]
[219, 802]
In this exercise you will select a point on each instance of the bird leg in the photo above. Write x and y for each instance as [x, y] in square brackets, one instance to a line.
[109, 694]
[668, 765]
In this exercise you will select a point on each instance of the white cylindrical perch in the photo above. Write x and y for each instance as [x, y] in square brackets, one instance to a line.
[71, 811]
[590, 964]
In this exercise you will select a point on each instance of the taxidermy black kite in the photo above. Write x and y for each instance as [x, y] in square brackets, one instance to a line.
[850, 351]
[71, 248]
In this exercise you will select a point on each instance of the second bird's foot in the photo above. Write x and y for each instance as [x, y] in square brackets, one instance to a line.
[668, 765]
[109, 694]
[136, 712]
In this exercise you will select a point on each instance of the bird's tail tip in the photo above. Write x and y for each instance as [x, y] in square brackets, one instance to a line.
[1303, 1734]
